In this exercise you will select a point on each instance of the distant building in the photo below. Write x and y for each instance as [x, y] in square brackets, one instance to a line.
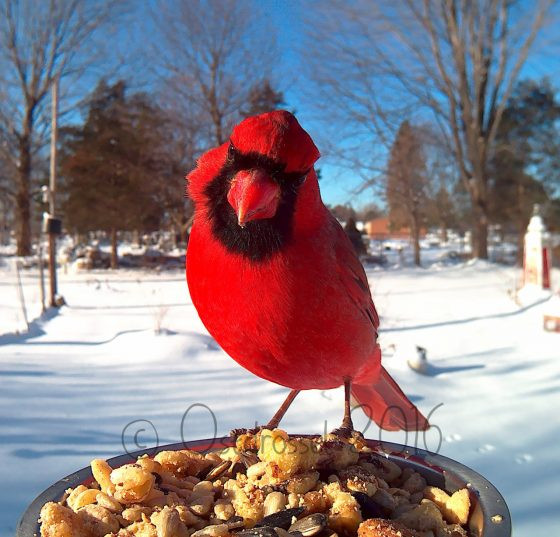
[378, 229]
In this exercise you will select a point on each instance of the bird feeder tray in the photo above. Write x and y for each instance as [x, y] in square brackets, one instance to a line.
[489, 513]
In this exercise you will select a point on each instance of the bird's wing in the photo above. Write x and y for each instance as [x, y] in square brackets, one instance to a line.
[377, 393]
[352, 274]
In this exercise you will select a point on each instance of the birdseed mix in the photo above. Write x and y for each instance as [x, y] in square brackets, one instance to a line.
[269, 485]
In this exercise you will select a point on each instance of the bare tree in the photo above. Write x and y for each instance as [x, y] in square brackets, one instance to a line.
[39, 41]
[443, 178]
[453, 61]
[211, 54]
[183, 145]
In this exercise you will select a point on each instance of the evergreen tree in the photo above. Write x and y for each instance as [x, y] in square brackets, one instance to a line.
[445, 212]
[407, 184]
[368, 212]
[113, 164]
[355, 237]
[343, 212]
[262, 98]
[525, 165]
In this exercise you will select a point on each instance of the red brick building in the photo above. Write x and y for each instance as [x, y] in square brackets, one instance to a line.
[378, 229]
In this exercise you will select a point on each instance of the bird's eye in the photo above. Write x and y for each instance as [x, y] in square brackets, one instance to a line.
[301, 179]
[232, 151]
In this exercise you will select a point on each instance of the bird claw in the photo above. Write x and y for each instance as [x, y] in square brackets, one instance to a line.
[343, 432]
[348, 432]
[238, 432]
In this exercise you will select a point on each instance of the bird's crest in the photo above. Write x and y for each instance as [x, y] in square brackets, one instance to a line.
[276, 136]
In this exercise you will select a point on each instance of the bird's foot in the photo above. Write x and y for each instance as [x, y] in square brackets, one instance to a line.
[347, 431]
[238, 432]
[343, 432]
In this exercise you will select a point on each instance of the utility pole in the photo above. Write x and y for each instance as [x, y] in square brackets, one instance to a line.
[41, 275]
[52, 193]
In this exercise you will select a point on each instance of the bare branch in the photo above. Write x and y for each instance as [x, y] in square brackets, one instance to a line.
[452, 62]
[212, 53]
[537, 24]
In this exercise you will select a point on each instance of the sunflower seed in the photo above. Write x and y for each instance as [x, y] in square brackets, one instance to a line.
[248, 458]
[218, 470]
[368, 507]
[216, 530]
[281, 519]
[309, 525]
[264, 531]
[235, 522]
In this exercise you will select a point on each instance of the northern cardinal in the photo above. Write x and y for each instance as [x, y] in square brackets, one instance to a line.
[275, 279]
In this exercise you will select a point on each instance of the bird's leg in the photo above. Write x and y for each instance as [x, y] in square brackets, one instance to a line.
[274, 421]
[347, 427]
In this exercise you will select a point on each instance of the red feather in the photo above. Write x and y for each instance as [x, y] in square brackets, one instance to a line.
[303, 317]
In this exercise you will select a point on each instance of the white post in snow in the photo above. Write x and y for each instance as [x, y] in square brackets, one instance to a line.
[536, 255]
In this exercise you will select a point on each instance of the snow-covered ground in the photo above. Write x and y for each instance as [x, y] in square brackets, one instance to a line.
[83, 381]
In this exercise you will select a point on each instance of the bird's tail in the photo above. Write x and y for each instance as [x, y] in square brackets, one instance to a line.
[386, 404]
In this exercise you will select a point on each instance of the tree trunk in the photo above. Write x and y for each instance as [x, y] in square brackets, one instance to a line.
[522, 223]
[521, 244]
[477, 191]
[23, 205]
[480, 234]
[444, 237]
[4, 234]
[414, 220]
[416, 244]
[114, 256]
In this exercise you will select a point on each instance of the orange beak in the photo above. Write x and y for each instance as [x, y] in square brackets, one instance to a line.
[253, 196]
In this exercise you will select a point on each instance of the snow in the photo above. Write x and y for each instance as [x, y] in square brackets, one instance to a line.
[129, 354]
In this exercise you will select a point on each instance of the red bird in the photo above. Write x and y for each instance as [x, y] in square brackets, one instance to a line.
[275, 279]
